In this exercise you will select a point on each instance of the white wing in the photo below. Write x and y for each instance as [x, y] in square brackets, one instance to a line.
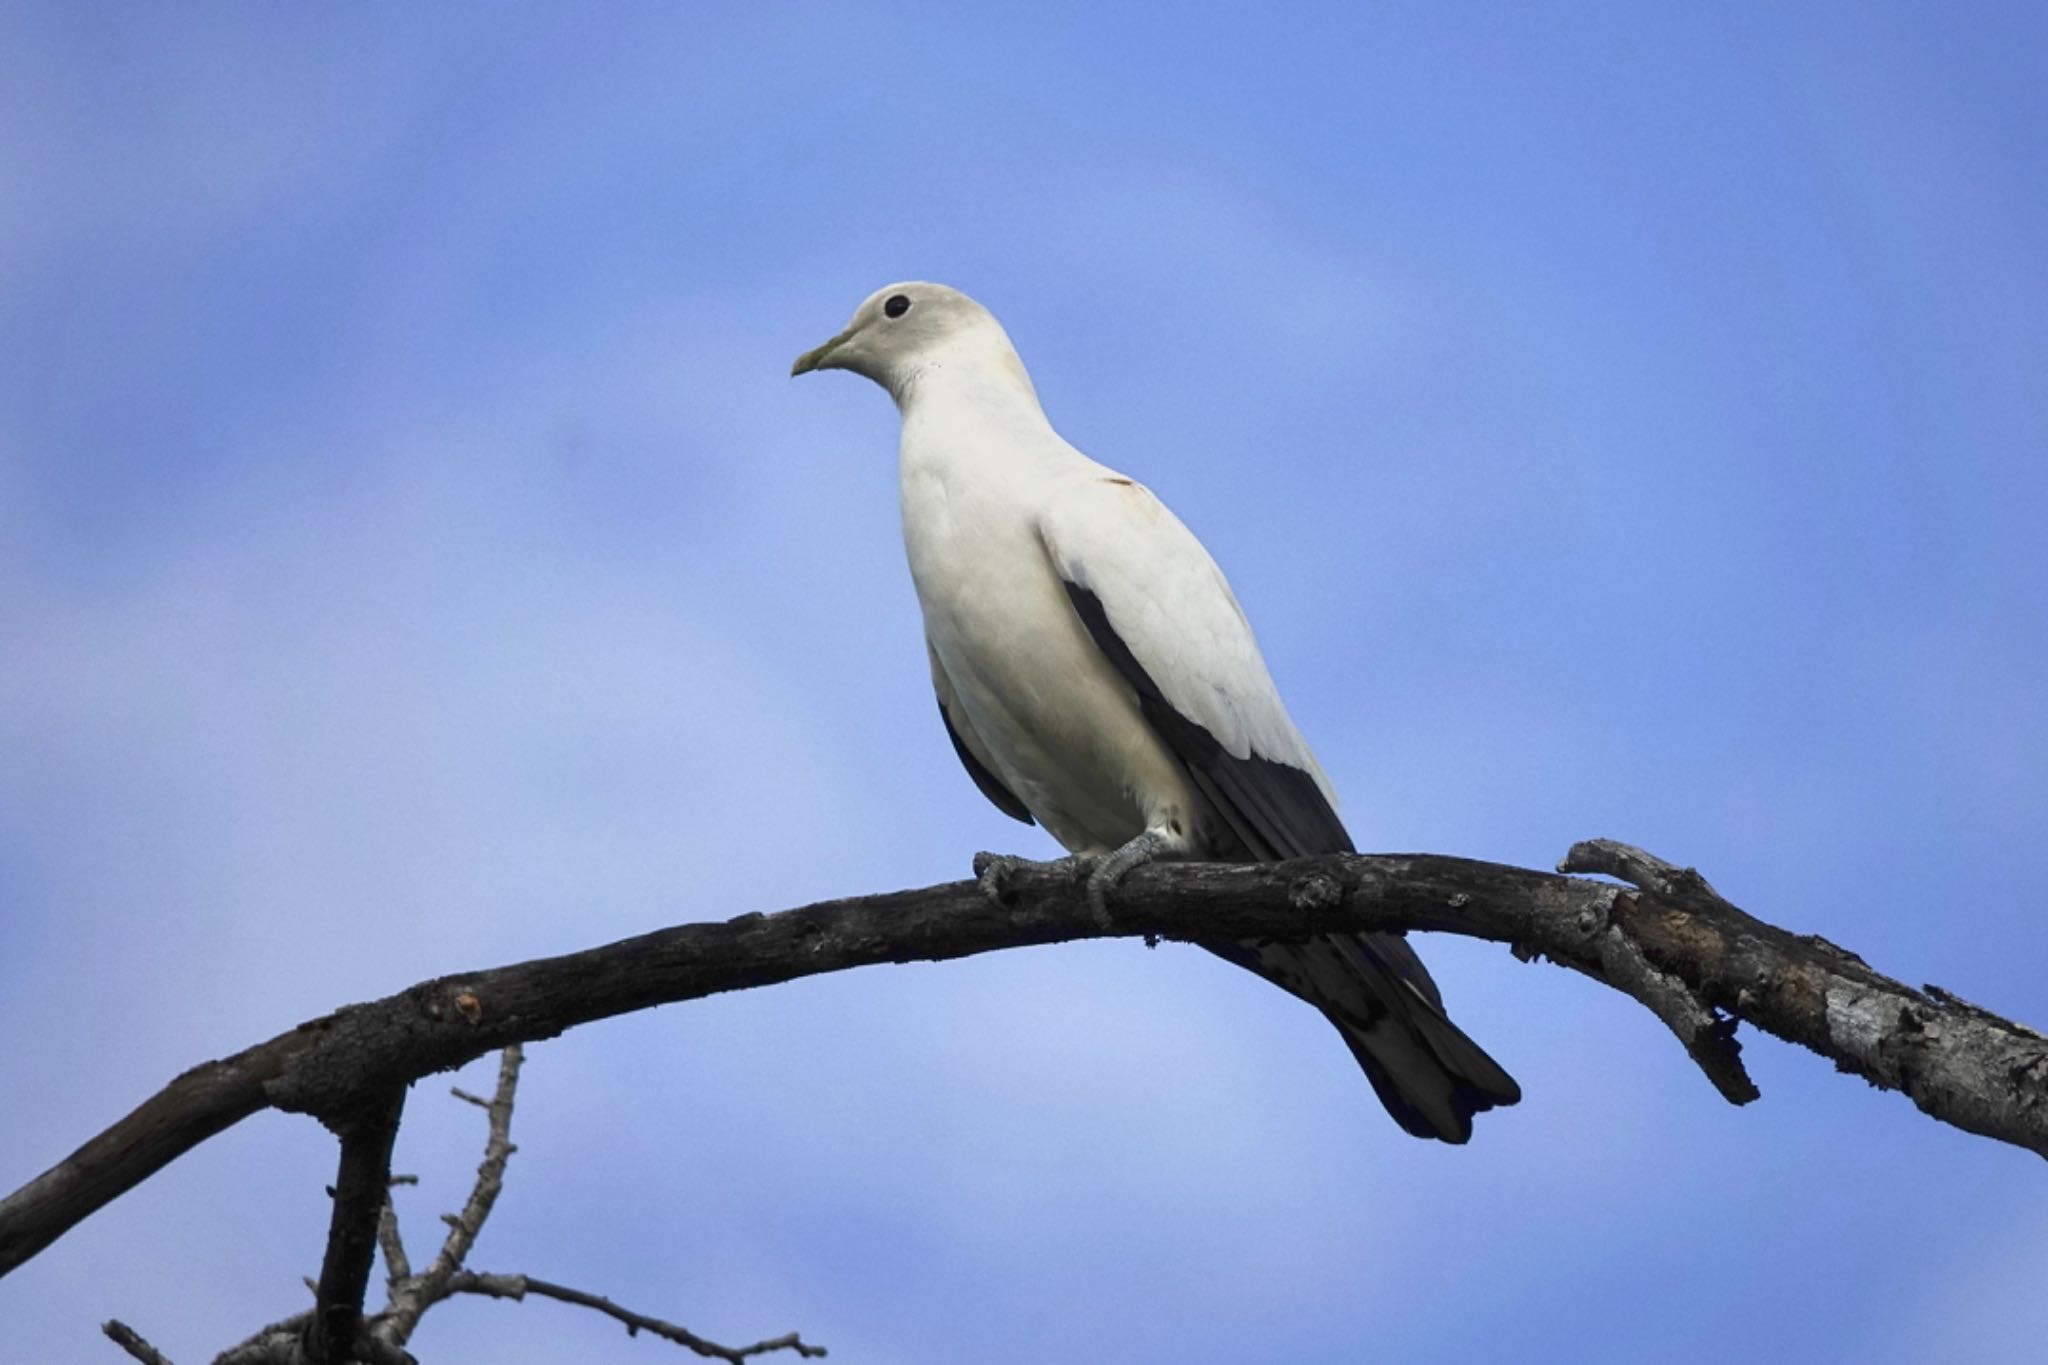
[1160, 610]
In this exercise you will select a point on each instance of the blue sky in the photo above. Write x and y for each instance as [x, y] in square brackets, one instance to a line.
[1619, 421]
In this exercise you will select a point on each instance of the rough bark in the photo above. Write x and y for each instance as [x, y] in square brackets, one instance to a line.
[361, 1191]
[1697, 962]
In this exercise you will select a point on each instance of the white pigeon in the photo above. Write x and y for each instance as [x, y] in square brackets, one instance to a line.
[1096, 675]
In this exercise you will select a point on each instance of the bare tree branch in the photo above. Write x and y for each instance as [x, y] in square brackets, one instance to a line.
[1960, 1064]
[397, 1266]
[519, 1286]
[131, 1341]
[412, 1296]
[1708, 1039]
[362, 1191]
[381, 1340]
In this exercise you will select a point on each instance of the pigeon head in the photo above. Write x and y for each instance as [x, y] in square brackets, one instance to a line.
[904, 331]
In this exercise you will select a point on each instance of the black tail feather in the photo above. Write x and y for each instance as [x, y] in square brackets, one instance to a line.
[1428, 1074]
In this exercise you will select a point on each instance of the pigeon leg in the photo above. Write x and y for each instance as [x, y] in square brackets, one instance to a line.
[1103, 870]
[1109, 869]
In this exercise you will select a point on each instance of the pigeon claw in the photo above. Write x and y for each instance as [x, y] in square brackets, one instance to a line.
[1106, 871]
[992, 872]
[1102, 879]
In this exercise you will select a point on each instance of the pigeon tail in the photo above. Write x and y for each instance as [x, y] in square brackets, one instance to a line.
[1428, 1074]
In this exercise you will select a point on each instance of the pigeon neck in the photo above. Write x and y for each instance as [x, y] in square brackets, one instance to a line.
[989, 382]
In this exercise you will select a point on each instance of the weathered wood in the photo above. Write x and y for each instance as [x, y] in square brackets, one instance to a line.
[361, 1188]
[1670, 942]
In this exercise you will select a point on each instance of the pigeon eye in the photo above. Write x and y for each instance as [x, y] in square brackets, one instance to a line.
[897, 306]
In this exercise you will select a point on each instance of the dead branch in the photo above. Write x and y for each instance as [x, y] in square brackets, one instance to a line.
[380, 1340]
[412, 1295]
[1669, 937]
[517, 1287]
[397, 1265]
[131, 1341]
[362, 1189]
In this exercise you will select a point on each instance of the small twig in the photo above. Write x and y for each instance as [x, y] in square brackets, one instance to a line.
[1709, 1040]
[1638, 867]
[133, 1342]
[361, 1192]
[412, 1295]
[397, 1266]
[415, 1293]
[517, 1287]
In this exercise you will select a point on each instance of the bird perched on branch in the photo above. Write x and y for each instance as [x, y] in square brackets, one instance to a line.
[1097, 676]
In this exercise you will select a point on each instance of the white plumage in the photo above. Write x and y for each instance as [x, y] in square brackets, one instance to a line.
[1097, 675]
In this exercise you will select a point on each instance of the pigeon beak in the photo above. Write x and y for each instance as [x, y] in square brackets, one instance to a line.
[821, 358]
